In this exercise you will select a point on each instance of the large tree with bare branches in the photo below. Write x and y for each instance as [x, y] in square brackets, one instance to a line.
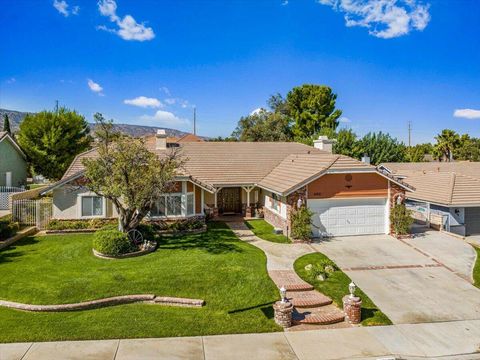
[128, 174]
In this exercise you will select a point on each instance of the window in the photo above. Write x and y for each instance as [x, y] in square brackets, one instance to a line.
[168, 205]
[92, 206]
[190, 204]
[275, 202]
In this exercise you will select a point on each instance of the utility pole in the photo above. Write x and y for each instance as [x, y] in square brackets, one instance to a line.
[409, 133]
[194, 120]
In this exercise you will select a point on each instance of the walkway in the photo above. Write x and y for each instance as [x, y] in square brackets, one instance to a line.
[312, 310]
[449, 340]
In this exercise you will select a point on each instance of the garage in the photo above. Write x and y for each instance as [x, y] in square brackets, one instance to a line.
[344, 217]
[472, 220]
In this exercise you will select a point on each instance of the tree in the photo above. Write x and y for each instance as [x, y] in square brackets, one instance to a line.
[468, 149]
[417, 153]
[52, 139]
[263, 125]
[312, 108]
[128, 174]
[346, 144]
[447, 142]
[6, 124]
[381, 148]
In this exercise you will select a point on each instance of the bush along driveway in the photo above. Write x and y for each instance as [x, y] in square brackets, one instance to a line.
[215, 266]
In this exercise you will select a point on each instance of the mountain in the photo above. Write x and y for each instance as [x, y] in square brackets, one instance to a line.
[16, 118]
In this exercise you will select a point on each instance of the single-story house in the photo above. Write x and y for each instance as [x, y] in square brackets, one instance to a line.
[347, 196]
[13, 162]
[447, 193]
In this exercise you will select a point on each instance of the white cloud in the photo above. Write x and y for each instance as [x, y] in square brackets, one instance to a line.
[383, 18]
[62, 8]
[177, 101]
[143, 101]
[256, 111]
[95, 87]
[284, 2]
[128, 28]
[11, 80]
[166, 90]
[344, 120]
[467, 113]
[165, 118]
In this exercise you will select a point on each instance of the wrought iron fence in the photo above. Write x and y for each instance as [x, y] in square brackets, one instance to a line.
[32, 212]
[5, 192]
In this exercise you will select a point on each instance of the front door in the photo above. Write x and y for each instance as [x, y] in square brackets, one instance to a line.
[230, 200]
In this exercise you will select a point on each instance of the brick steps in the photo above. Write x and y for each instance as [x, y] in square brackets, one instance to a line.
[309, 299]
[297, 287]
[325, 315]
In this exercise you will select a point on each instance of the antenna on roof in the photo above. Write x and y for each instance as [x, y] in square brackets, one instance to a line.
[194, 120]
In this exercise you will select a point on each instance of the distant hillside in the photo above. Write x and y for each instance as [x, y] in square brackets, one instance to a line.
[16, 118]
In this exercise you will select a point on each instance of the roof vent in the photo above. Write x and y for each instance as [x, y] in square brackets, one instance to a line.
[366, 159]
[324, 143]
[161, 140]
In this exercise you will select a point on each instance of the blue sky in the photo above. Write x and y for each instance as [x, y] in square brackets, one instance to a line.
[149, 62]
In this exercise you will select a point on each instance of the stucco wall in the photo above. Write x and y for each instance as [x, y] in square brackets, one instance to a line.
[66, 203]
[12, 161]
[348, 185]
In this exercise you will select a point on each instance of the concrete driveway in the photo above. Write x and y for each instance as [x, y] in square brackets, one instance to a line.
[425, 279]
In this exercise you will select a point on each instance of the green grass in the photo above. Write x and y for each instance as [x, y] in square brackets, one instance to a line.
[336, 287]
[35, 186]
[265, 231]
[476, 268]
[228, 274]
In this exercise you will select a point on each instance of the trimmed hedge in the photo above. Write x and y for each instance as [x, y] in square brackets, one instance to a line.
[7, 227]
[80, 224]
[112, 242]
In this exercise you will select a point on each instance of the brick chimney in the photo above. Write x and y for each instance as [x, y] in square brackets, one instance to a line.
[324, 143]
[161, 140]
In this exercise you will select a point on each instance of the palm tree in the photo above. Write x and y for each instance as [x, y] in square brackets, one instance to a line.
[447, 141]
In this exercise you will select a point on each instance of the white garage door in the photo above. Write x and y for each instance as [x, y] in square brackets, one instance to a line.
[348, 217]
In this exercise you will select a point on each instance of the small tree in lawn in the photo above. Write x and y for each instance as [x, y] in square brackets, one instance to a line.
[128, 174]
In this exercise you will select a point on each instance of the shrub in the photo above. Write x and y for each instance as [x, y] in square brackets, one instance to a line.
[7, 227]
[324, 267]
[301, 224]
[112, 242]
[148, 231]
[401, 219]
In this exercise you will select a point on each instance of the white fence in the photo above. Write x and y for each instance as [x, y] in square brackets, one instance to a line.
[32, 212]
[5, 192]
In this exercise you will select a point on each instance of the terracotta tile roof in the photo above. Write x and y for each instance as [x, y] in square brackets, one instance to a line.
[302, 168]
[277, 166]
[456, 183]
[190, 138]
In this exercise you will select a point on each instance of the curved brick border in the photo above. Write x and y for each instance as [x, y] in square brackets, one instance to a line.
[111, 301]
[124, 256]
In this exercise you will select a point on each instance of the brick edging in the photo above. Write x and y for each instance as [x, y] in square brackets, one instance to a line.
[111, 301]
[18, 236]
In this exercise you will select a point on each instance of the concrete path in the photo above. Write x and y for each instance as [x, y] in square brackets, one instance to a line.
[449, 340]
[425, 279]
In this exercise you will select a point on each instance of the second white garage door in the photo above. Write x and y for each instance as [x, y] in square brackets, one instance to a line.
[348, 217]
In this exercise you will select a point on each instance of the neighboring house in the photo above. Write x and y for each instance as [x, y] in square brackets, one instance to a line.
[447, 193]
[348, 197]
[13, 163]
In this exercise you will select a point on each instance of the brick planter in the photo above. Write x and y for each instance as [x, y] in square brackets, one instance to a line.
[352, 306]
[283, 313]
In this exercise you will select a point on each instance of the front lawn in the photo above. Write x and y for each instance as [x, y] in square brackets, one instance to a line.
[228, 274]
[336, 287]
[264, 231]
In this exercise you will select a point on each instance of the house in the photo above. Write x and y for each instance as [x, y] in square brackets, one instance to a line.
[13, 163]
[447, 193]
[347, 196]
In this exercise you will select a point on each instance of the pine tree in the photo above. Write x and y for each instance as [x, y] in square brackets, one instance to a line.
[6, 124]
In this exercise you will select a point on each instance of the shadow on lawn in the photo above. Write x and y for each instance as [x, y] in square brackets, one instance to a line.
[218, 239]
[266, 308]
[10, 252]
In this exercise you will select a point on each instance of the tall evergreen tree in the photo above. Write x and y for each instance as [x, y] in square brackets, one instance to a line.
[6, 124]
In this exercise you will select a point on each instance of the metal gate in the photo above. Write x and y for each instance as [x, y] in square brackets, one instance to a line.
[32, 212]
[5, 192]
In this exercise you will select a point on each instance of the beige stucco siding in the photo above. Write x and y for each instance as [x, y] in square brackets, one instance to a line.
[66, 203]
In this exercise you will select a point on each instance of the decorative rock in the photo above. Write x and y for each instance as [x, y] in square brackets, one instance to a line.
[283, 313]
[352, 306]
[321, 277]
[329, 269]
[308, 267]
